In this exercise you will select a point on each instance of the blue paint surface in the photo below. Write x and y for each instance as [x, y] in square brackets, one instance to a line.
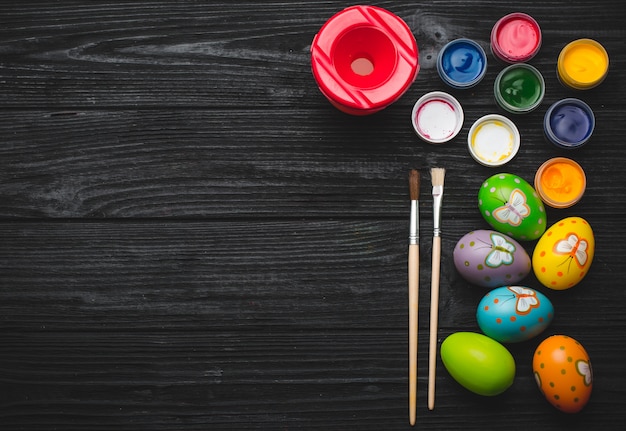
[462, 62]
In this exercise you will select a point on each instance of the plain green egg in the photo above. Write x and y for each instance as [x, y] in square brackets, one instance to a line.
[478, 363]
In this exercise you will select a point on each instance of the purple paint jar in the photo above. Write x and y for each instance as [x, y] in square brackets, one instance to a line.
[569, 123]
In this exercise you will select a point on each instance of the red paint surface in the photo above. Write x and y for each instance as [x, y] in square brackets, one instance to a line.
[516, 37]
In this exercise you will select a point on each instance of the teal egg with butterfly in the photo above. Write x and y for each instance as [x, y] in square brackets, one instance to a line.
[512, 206]
[511, 314]
[488, 258]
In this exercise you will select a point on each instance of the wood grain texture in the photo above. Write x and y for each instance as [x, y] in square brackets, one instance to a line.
[190, 324]
[191, 237]
[248, 163]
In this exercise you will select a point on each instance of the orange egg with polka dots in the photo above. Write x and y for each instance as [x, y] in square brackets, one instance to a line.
[564, 253]
[563, 373]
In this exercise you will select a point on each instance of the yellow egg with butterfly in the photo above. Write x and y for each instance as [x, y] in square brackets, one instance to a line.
[564, 253]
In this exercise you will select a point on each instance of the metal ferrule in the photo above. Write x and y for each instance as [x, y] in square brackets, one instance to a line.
[437, 198]
[414, 224]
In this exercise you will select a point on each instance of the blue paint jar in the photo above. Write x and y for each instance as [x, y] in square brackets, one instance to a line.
[569, 123]
[462, 63]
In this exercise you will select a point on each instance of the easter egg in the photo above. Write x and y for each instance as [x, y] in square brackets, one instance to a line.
[510, 314]
[512, 206]
[563, 254]
[489, 259]
[563, 373]
[478, 363]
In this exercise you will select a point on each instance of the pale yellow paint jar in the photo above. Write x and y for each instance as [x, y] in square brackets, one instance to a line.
[582, 64]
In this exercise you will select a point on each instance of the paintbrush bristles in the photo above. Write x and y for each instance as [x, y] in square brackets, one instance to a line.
[437, 176]
[414, 184]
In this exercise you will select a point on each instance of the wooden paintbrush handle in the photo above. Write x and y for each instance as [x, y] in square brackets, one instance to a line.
[434, 318]
[413, 303]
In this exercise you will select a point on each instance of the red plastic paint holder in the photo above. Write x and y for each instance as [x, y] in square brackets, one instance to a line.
[363, 59]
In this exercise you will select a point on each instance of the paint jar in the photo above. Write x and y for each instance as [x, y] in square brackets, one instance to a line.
[493, 140]
[569, 123]
[462, 63]
[363, 59]
[437, 117]
[560, 182]
[519, 88]
[582, 64]
[515, 38]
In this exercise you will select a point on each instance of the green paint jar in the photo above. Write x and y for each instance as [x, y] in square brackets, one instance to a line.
[519, 88]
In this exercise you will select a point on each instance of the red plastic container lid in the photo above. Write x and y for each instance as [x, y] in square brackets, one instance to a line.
[364, 58]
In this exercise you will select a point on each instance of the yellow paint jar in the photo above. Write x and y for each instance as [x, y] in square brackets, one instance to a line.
[560, 182]
[582, 64]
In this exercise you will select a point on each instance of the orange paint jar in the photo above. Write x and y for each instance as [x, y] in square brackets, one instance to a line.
[560, 182]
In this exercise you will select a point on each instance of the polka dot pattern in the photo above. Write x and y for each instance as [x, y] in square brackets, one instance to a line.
[563, 373]
[491, 259]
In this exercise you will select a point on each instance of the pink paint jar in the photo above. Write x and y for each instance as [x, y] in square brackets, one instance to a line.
[363, 59]
[515, 38]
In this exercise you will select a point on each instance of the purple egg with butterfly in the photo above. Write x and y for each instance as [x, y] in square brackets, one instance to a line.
[488, 258]
[512, 206]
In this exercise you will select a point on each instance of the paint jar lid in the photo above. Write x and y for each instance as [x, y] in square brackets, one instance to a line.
[493, 140]
[582, 64]
[515, 38]
[462, 63]
[519, 88]
[560, 182]
[364, 58]
[437, 117]
[569, 123]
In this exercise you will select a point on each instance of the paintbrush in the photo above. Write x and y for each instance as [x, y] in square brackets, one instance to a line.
[437, 176]
[413, 264]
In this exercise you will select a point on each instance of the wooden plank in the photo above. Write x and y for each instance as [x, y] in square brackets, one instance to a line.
[103, 164]
[155, 54]
[303, 324]
[191, 237]
[228, 275]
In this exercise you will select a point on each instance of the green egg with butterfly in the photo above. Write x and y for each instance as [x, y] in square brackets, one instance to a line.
[512, 206]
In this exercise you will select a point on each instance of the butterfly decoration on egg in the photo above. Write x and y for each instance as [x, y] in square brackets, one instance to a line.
[502, 251]
[574, 247]
[514, 210]
[512, 206]
[525, 299]
[584, 369]
[510, 314]
[490, 259]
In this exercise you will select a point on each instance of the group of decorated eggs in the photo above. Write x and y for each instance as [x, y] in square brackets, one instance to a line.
[511, 313]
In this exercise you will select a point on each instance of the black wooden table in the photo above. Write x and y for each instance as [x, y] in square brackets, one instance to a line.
[193, 238]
